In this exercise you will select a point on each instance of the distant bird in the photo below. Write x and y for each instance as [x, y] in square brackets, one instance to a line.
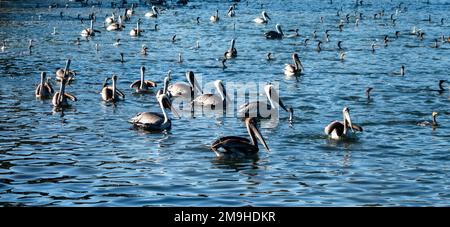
[60, 98]
[111, 93]
[143, 85]
[116, 26]
[44, 90]
[262, 20]
[278, 34]
[231, 52]
[137, 30]
[231, 12]
[339, 129]
[294, 69]
[427, 123]
[215, 18]
[153, 14]
[368, 90]
[144, 49]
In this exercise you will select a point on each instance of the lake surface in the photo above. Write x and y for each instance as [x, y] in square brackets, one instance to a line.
[91, 156]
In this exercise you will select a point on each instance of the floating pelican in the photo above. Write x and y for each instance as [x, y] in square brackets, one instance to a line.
[111, 93]
[236, 146]
[339, 129]
[88, 32]
[368, 90]
[294, 69]
[215, 18]
[275, 34]
[260, 109]
[116, 26]
[214, 100]
[231, 12]
[3, 46]
[185, 90]
[232, 52]
[68, 77]
[44, 89]
[295, 35]
[111, 19]
[60, 98]
[143, 85]
[130, 12]
[152, 121]
[153, 13]
[427, 123]
[262, 20]
[136, 31]
[144, 49]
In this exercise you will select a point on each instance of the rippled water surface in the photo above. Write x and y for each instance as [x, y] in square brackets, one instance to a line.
[91, 156]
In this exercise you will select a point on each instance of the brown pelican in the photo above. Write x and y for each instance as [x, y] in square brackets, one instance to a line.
[368, 90]
[68, 77]
[152, 121]
[231, 12]
[44, 89]
[215, 18]
[275, 34]
[269, 56]
[214, 100]
[260, 109]
[88, 32]
[144, 49]
[111, 93]
[339, 129]
[262, 20]
[232, 52]
[318, 48]
[427, 123]
[184, 90]
[342, 55]
[111, 19]
[236, 146]
[3, 46]
[143, 85]
[60, 98]
[136, 31]
[402, 70]
[116, 26]
[130, 12]
[154, 13]
[294, 69]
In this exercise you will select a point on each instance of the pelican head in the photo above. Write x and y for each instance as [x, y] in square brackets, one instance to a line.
[253, 131]
[273, 97]
[164, 101]
[221, 89]
[278, 27]
[264, 14]
[192, 81]
[347, 119]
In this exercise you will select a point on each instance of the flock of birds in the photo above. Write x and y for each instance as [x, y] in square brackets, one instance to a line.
[192, 92]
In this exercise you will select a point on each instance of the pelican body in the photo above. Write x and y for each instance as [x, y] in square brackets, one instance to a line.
[151, 121]
[214, 100]
[278, 34]
[143, 85]
[116, 26]
[215, 18]
[185, 90]
[153, 14]
[232, 52]
[294, 69]
[44, 89]
[62, 75]
[340, 129]
[88, 32]
[262, 20]
[111, 93]
[136, 31]
[238, 146]
[60, 98]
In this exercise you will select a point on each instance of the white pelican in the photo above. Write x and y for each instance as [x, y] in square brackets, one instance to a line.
[154, 13]
[294, 69]
[262, 20]
[232, 52]
[60, 98]
[231, 12]
[275, 34]
[427, 123]
[87, 32]
[214, 100]
[116, 26]
[44, 89]
[143, 85]
[215, 18]
[152, 121]
[339, 129]
[111, 93]
[235, 146]
[111, 19]
[185, 90]
[136, 31]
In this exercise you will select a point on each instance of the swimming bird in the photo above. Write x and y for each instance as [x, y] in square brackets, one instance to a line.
[117, 43]
[269, 56]
[373, 47]
[116, 26]
[235, 146]
[144, 49]
[153, 14]
[262, 20]
[60, 98]
[231, 52]
[294, 35]
[261, 109]
[143, 85]
[121, 58]
[111, 93]
[339, 45]
[54, 31]
[278, 34]
[111, 19]
[294, 69]
[215, 18]
[152, 121]
[185, 90]
[231, 12]
[441, 87]
[3, 46]
[88, 32]
[402, 70]
[342, 55]
[368, 90]
[214, 100]
[44, 89]
[427, 123]
[130, 12]
[136, 31]
[62, 75]
[318, 48]
[339, 129]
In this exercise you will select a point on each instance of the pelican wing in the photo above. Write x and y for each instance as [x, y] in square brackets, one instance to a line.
[146, 119]
[208, 99]
[136, 84]
[49, 87]
[234, 144]
[120, 93]
[357, 128]
[70, 96]
[150, 83]
[38, 90]
[335, 125]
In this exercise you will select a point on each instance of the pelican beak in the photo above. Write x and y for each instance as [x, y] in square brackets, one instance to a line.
[348, 119]
[169, 103]
[268, 17]
[258, 134]
[193, 81]
[282, 105]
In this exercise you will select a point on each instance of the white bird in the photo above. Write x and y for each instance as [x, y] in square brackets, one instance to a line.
[262, 20]
[339, 129]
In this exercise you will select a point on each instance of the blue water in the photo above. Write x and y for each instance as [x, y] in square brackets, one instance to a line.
[91, 156]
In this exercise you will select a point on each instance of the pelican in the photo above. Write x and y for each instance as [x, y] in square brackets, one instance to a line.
[185, 90]
[144, 49]
[142, 85]
[262, 20]
[295, 35]
[368, 90]
[111, 19]
[152, 121]
[60, 98]
[342, 55]
[269, 56]
[238, 146]
[88, 32]
[215, 18]
[275, 34]
[136, 31]
[339, 129]
[44, 89]
[260, 109]
[232, 52]
[402, 70]
[116, 26]
[117, 43]
[111, 93]
[427, 123]
[294, 69]
[214, 100]
[154, 13]
[68, 77]
[130, 12]
[231, 12]
[318, 48]
[3, 46]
